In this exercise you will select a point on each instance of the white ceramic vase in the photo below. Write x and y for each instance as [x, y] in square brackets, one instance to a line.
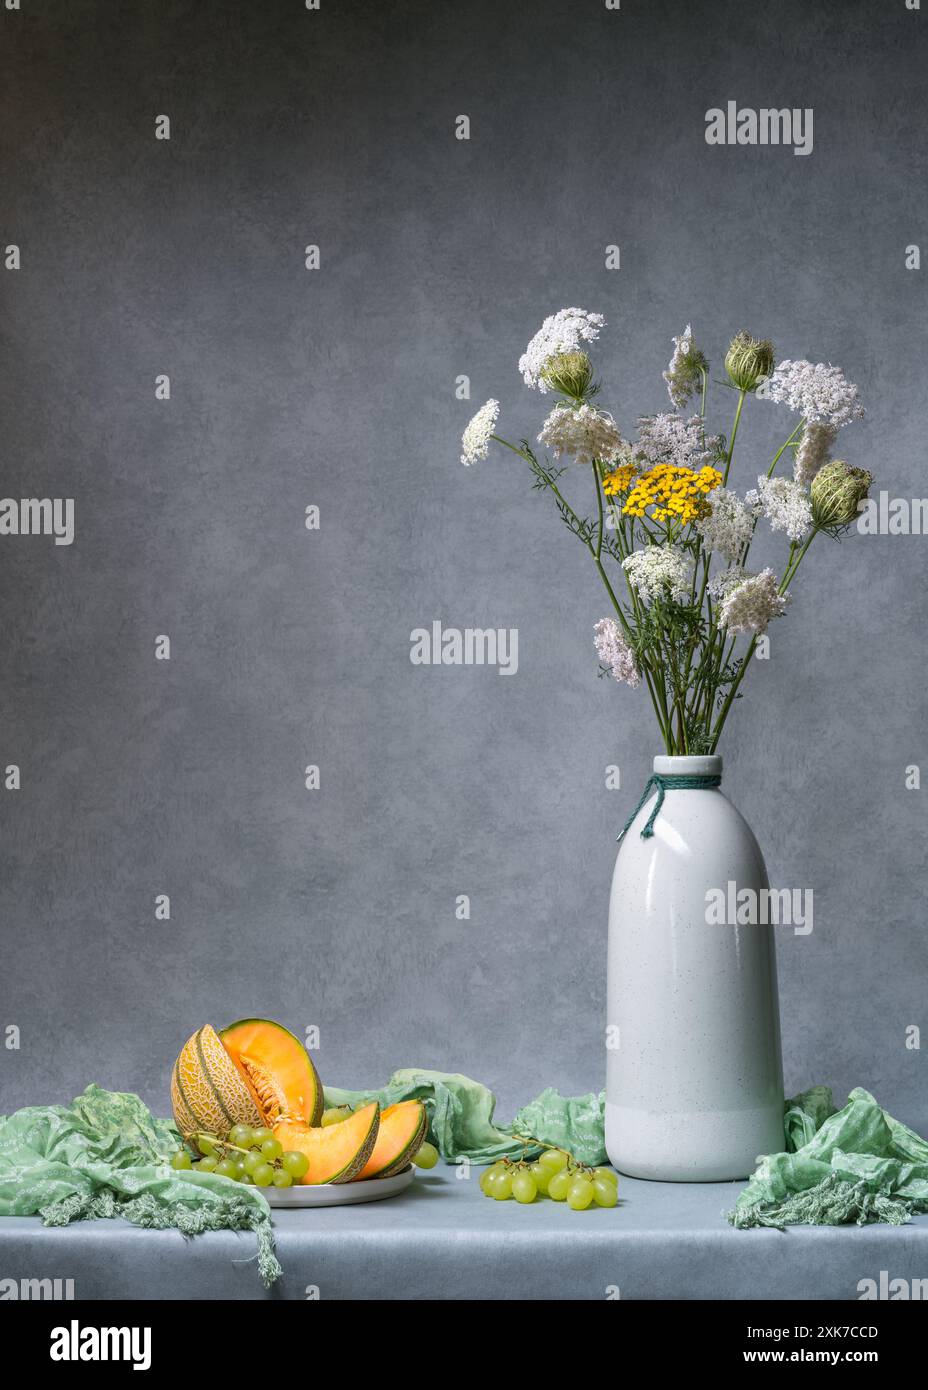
[694, 1089]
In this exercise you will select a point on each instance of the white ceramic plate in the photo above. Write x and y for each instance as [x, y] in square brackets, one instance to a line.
[339, 1194]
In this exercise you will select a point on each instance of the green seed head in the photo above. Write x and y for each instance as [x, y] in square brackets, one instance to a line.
[837, 490]
[748, 361]
[571, 373]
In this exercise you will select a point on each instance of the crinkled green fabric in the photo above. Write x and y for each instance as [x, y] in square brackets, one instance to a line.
[461, 1116]
[106, 1155]
[852, 1165]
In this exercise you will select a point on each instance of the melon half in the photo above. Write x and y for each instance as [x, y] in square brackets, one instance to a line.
[277, 1069]
[253, 1073]
[336, 1153]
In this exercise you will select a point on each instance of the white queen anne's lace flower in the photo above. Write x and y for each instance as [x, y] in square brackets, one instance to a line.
[584, 434]
[816, 390]
[785, 503]
[660, 571]
[751, 602]
[475, 441]
[671, 439]
[722, 583]
[615, 653]
[560, 332]
[730, 525]
[814, 448]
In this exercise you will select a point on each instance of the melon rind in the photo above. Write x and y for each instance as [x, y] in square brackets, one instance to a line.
[208, 1092]
[183, 1116]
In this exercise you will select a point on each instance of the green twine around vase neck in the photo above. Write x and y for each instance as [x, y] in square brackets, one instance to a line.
[668, 781]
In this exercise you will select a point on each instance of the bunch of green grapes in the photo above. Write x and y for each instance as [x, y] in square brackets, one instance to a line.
[248, 1155]
[556, 1174]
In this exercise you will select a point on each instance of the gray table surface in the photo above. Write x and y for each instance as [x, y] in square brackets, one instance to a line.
[443, 1239]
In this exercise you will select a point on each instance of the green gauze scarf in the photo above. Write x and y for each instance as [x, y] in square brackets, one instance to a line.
[106, 1155]
[856, 1164]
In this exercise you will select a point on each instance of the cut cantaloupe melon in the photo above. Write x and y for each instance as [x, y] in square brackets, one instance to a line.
[402, 1132]
[336, 1153]
[277, 1069]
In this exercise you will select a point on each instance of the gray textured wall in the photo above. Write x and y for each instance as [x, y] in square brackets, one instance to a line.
[336, 387]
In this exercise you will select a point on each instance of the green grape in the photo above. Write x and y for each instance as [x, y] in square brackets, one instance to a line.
[554, 1160]
[226, 1168]
[496, 1170]
[207, 1164]
[260, 1136]
[271, 1149]
[181, 1159]
[581, 1175]
[282, 1178]
[208, 1144]
[524, 1187]
[559, 1185]
[241, 1136]
[295, 1163]
[263, 1175]
[500, 1186]
[605, 1193]
[608, 1174]
[541, 1175]
[251, 1161]
[580, 1195]
[243, 1177]
[427, 1156]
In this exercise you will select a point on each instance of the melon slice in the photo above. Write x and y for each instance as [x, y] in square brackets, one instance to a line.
[336, 1153]
[402, 1132]
[277, 1069]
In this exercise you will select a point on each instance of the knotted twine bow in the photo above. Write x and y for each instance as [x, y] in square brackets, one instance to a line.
[667, 782]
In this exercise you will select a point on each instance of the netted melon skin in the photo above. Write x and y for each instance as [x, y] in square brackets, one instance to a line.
[208, 1093]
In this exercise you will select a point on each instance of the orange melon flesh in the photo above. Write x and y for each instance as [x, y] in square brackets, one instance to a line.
[402, 1132]
[336, 1153]
[289, 1075]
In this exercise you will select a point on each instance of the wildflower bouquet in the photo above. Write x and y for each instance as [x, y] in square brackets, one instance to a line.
[669, 538]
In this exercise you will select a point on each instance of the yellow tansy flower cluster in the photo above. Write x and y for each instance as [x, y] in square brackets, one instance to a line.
[619, 479]
[672, 493]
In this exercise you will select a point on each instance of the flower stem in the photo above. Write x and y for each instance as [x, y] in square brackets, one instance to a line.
[784, 447]
[599, 502]
[789, 575]
[734, 436]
